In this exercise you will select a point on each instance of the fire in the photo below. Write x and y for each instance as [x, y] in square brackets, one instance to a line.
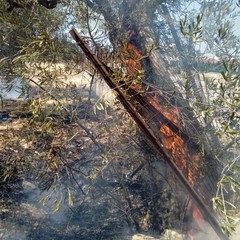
[170, 112]
[186, 159]
[164, 125]
[172, 142]
[197, 215]
[175, 145]
[132, 57]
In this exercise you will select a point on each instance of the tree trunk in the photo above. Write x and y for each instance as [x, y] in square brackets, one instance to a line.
[180, 133]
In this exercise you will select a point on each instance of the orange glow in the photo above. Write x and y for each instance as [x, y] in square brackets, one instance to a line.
[177, 148]
[170, 112]
[136, 54]
[132, 59]
[197, 215]
[197, 223]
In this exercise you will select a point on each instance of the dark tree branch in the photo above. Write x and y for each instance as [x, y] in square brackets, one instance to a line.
[104, 7]
[50, 4]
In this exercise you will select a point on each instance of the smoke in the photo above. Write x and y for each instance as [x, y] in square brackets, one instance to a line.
[205, 233]
[208, 233]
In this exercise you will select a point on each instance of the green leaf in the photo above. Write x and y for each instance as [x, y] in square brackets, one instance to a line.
[43, 200]
[232, 132]
[57, 205]
[224, 76]
[3, 59]
[99, 106]
[70, 199]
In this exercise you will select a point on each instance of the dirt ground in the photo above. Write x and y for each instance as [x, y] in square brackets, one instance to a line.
[92, 217]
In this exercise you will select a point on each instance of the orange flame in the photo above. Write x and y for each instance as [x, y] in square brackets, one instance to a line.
[132, 59]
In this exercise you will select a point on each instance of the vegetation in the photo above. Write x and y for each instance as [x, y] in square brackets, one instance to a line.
[64, 139]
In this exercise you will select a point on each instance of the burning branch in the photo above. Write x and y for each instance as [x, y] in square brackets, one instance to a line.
[159, 121]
